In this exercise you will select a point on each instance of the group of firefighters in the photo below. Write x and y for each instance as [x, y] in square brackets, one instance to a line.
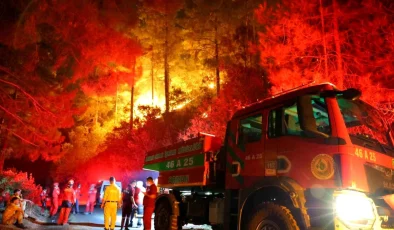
[77, 194]
[130, 202]
[134, 199]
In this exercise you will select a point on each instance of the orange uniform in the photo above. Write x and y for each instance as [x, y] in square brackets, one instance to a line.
[91, 200]
[68, 201]
[55, 201]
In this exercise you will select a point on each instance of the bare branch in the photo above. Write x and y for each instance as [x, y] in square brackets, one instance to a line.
[21, 138]
[12, 115]
[35, 102]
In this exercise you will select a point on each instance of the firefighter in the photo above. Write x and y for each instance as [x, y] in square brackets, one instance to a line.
[139, 198]
[111, 202]
[22, 203]
[18, 194]
[135, 192]
[77, 196]
[127, 206]
[149, 202]
[55, 200]
[13, 214]
[92, 194]
[67, 203]
[43, 197]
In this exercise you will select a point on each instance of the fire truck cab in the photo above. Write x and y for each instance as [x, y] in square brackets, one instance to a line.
[314, 157]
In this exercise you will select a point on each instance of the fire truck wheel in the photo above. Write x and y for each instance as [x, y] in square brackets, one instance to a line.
[163, 216]
[271, 216]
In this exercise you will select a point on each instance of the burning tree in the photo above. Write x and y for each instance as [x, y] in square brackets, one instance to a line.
[60, 54]
[301, 42]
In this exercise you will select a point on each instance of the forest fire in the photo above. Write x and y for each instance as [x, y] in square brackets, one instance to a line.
[84, 83]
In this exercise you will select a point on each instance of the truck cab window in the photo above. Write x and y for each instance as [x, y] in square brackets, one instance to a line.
[272, 120]
[250, 129]
[320, 113]
[284, 121]
[291, 125]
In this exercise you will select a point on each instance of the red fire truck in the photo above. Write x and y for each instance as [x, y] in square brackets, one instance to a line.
[314, 157]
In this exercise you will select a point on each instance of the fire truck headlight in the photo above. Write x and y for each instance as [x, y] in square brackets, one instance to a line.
[354, 209]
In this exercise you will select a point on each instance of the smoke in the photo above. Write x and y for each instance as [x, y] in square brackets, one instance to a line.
[138, 175]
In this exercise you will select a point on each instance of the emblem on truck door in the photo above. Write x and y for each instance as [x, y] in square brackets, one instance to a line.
[322, 166]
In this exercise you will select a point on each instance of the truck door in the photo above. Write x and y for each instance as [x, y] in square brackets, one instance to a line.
[244, 150]
[297, 152]
[278, 146]
[250, 144]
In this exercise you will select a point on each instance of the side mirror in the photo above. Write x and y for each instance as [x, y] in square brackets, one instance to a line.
[351, 94]
[306, 118]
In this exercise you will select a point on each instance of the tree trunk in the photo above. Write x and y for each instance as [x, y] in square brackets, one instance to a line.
[97, 110]
[132, 97]
[324, 41]
[2, 160]
[337, 41]
[217, 58]
[132, 109]
[246, 45]
[116, 102]
[166, 66]
[3, 144]
[152, 78]
[3, 151]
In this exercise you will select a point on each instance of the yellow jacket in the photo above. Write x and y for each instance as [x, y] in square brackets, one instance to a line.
[8, 215]
[112, 193]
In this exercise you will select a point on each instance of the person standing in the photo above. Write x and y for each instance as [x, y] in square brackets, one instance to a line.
[140, 200]
[135, 201]
[92, 194]
[67, 203]
[111, 202]
[13, 214]
[149, 202]
[43, 198]
[77, 196]
[127, 206]
[55, 200]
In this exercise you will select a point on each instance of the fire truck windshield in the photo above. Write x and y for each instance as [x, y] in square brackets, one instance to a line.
[365, 125]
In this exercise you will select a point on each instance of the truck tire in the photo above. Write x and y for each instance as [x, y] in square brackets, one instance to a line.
[163, 214]
[271, 216]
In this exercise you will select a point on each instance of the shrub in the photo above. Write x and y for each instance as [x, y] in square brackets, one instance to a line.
[11, 180]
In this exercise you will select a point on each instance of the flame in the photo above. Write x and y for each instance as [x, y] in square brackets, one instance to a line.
[146, 99]
[123, 69]
[180, 106]
[144, 84]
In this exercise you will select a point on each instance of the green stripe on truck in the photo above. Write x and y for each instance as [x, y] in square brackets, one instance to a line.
[180, 163]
